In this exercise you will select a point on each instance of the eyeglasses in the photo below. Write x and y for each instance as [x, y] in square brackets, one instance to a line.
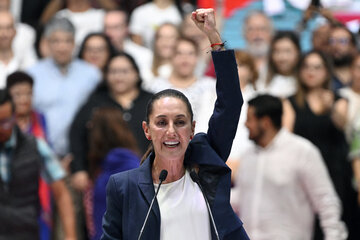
[312, 67]
[341, 41]
[7, 123]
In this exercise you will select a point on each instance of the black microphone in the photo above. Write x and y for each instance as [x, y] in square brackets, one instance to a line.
[162, 177]
[195, 177]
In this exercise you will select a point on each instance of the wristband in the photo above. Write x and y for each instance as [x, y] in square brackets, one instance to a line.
[217, 44]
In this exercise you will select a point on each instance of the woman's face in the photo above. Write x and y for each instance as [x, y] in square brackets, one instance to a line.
[121, 75]
[285, 56]
[165, 41]
[21, 94]
[313, 73]
[96, 51]
[170, 128]
[185, 59]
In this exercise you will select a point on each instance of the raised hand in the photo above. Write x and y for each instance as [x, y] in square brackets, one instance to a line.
[204, 19]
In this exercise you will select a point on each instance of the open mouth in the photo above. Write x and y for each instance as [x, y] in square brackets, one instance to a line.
[171, 144]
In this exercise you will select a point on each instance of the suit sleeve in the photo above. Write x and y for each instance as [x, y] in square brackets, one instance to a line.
[112, 220]
[224, 120]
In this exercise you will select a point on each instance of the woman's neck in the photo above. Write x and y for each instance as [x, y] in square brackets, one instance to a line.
[182, 81]
[23, 121]
[126, 99]
[163, 4]
[79, 6]
[174, 167]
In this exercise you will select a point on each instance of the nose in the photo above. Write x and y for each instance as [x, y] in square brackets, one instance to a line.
[171, 129]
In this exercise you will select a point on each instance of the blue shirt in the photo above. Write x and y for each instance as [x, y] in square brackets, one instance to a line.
[51, 169]
[59, 96]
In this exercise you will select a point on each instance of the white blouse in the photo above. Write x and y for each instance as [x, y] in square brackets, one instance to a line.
[183, 211]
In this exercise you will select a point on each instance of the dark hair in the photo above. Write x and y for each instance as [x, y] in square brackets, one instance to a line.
[302, 89]
[5, 98]
[149, 109]
[293, 37]
[108, 131]
[18, 77]
[103, 84]
[270, 106]
[109, 46]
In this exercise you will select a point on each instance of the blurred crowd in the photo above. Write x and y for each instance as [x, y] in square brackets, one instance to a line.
[80, 73]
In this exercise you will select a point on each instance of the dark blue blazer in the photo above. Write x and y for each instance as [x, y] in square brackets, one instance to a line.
[129, 193]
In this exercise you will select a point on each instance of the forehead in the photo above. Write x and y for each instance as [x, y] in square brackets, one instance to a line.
[340, 32]
[169, 106]
[313, 58]
[61, 34]
[21, 86]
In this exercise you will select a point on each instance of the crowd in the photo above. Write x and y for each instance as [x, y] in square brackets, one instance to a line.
[79, 74]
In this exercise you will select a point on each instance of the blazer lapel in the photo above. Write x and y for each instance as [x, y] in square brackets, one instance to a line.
[146, 185]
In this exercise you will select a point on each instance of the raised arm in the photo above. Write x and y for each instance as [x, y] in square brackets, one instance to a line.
[224, 120]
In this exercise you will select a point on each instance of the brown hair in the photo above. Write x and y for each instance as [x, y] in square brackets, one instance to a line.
[302, 89]
[244, 58]
[272, 69]
[108, 131]
[157, 59]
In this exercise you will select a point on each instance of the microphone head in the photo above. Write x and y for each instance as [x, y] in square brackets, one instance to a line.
[163, 175]
[194, 176]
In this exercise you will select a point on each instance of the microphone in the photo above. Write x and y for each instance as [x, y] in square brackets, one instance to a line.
[162, 177]
[195, 177]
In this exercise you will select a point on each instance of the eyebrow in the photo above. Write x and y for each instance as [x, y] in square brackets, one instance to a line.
[178, 116]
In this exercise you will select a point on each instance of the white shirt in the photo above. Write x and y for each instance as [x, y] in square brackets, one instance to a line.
[86, 22]
[279, 188]
[142, 55]
[280, 86]
[14, 65]
[146, 18]
[183, 211]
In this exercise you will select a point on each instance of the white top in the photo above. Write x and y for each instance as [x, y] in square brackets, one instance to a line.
[183, 211]
[146, 18]
[280, 86]
[241, 141]
[14, 65]
[25, 50]
[86, 22]
[279, 188]
[142, 56]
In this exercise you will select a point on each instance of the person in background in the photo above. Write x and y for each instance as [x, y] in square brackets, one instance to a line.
[97, 50]
[258, 31]
[183, 77]
[117, 29]
[20, 87]
[282, 181]
[318, 114]
[147, 18]
[113, 149]
[62, 84]
[23, 159]
[11, 60]
[84, 17]
[342, 48]
[284, 56]
[120, 89]
[164, 48]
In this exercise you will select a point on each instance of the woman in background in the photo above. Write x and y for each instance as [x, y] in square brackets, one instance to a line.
[283, 63]
[113, 149]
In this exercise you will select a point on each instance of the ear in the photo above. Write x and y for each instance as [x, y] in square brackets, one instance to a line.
[193, 129]
[146, 130]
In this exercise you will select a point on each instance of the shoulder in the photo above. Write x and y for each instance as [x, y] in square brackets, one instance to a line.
[295, 141]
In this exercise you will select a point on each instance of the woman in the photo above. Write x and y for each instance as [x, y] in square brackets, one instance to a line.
[120, 89]
[113, 149]
[283, 65]
[164, 46]
[180, 206]
[97, 50]
[317, 113]
[183, 77]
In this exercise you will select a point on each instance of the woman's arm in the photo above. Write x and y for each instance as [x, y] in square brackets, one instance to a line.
[224, 120]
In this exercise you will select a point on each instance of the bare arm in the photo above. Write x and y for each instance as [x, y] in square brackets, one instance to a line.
[65, 206]
[339, 113]
[288, 118]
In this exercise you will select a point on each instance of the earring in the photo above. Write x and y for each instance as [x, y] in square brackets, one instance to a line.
[149, 138]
